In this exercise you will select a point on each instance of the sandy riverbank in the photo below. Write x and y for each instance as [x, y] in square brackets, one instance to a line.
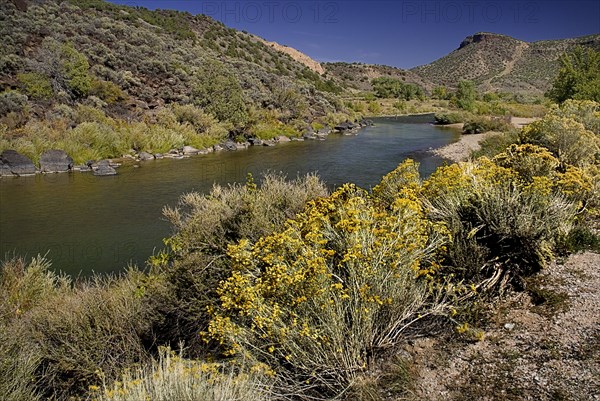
[461, 150]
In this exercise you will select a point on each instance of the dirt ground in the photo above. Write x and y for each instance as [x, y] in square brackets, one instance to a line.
[542, 344]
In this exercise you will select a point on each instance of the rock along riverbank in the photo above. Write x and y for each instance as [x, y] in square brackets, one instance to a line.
[14, 164]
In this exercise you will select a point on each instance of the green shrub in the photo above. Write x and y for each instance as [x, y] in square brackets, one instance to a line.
[201, 121]
[37, 85]
[217, 91]
[449, 118]
[12, 102]
[581, 238]
[473, 127]
[482, 124]
[374, 107]
[75, 68]
[93, 141]
[22, 288]
[494, 144]
[270, 130]
[107, 91]
[17, 366]
[64, 335]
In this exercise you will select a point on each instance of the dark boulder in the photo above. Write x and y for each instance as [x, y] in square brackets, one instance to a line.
[18, 163]
[346, 126]
[5, 170]
[255, 141]
[55, 161]
[145, 156]
[104, 169]
[230, 145]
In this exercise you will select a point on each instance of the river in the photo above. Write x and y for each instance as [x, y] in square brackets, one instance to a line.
[86, 224]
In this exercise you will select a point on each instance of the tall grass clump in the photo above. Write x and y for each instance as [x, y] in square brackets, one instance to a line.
[22, 288]
[319, 299]
[61, 335]
[172, 377]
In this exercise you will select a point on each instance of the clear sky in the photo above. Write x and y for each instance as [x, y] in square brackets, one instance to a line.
[402, 33]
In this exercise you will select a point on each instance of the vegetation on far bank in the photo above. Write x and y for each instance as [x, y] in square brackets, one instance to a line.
[283, 290]
[103, 80]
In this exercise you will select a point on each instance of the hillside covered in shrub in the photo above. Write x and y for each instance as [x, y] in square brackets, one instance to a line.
[67, 64]
[502, 63]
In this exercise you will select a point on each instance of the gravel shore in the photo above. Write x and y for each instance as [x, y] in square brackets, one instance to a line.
[461, 150]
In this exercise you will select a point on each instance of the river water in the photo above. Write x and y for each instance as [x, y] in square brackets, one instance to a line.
[87, 224]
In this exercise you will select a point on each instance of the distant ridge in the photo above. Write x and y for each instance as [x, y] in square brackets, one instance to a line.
[499, 62]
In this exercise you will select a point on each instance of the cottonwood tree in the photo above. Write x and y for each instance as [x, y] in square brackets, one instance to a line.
[578, 77]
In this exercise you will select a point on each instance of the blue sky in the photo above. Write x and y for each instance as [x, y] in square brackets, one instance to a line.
[402, 33]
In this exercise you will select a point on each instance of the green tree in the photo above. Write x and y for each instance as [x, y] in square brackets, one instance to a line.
[440, 92]
[578, 77]
[410, 91]
[465, 95]
[75, 68]
[218, 92]
[386, 87]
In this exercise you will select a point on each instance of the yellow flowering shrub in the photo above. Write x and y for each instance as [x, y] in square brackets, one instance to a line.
[503, 223]
[457, 180]
[403, 181]
[566, 138]
[196, 260]
[316, 299]
[528, 161]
